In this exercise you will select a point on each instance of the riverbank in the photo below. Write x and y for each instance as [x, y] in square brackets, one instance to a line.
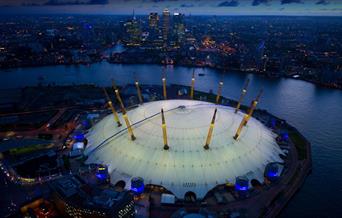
[190, 65]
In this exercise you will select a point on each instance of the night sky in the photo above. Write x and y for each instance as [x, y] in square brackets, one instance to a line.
[195, 7]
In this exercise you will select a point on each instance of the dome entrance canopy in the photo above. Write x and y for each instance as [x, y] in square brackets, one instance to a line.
[186, 166]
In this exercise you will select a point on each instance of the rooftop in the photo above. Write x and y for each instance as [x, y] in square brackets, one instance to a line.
[72, 189]
[186, 166]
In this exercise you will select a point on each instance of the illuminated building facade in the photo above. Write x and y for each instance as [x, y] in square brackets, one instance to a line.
[133, 31]
[166, 25]
[153, 21]
[178, 28]
[75, 199]
[39, 208]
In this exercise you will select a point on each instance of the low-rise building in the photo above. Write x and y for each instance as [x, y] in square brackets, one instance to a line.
[74, 198]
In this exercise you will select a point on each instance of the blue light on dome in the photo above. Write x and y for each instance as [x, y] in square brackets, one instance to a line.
[138, 190]
[86, 124]
[101, 176]
[79, 137]
[102, 173]
[285, 136]
[241, 184]
[137, 185]
[272, 171]
[241, 187]
[273, 123]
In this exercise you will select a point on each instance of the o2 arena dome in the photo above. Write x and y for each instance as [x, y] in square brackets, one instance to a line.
[186, 165]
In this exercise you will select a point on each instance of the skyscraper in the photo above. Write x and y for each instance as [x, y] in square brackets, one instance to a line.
[153, 20]
[178, 27]
[166, 25]
[133, 31]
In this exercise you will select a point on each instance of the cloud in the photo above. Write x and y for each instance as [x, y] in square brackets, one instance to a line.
[76, 2]
[185, 5]
[232, 3]
[198, 7]
[30, 4]
[258, 2]
[156, 1]
[283, 2]
[98, 2]
[322, 2]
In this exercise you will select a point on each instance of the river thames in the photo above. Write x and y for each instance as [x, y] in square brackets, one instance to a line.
[315, 111]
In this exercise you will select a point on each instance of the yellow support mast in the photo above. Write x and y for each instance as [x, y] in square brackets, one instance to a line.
[219, 92]
[164, 88]
[110, 104]
[238, 131]
[243, 93]
[139, 92]
[164, 83]
[129, 127]
[192, 85]
[124, 113]
[253, 106]
[116, 91]
[248, 116]
[166, 146]
[210, 132]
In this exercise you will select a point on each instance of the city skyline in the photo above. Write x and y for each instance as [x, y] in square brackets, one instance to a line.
[193, 7]
[166, 108]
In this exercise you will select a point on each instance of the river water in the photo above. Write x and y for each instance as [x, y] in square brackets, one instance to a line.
[313, 110]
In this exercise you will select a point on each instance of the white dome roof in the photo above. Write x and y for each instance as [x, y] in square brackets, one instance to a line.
[186, 166]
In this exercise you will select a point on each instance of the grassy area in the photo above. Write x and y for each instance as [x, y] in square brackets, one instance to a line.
[29, 149]
[300, 144]
[25, 121]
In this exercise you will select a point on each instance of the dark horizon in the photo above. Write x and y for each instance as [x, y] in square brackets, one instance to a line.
[190, 15]
[194, 7]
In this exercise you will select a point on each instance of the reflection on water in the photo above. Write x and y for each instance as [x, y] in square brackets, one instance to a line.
[118, 48]
[315, 111]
